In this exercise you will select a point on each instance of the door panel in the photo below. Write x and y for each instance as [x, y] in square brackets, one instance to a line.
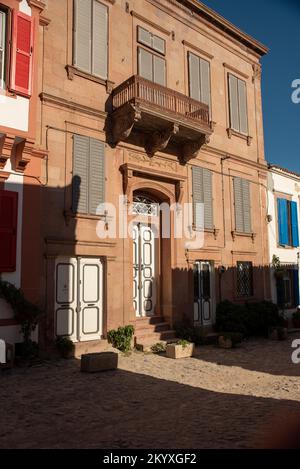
[203, 293]
[79, 298]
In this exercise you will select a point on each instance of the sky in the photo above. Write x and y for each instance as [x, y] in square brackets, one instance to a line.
[275, 23]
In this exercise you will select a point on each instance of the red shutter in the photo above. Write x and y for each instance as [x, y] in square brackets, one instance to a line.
[8, 230]
[22, 54]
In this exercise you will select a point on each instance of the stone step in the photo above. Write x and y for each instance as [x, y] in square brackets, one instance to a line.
[158, 327]
[155, 337]
[148, 320]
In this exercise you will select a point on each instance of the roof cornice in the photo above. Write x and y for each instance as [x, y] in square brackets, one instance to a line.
[213, 17]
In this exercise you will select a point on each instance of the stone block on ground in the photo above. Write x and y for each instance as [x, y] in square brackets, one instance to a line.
[102, 361]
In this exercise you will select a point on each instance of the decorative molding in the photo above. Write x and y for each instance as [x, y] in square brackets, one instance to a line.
[73, 71]
[44, 21]
[244, 253]
[3, 157]
[153, 162]
[71, 105]
[179, 191]
[235, 70]
[158, 141]
[197, 49]
[4, 175]
[22, 156]
[37, 4]
[257, 72]
[235, 233]
[150, 23]
[190, 150]
[231, 132]
[122, 122]
[39, 153]
[76, 242]
[69, 214]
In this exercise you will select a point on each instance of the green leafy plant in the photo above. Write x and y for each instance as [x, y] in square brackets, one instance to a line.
[160, 347]
[184, 343]
[24, 311]
[65, 346]
[121, 338]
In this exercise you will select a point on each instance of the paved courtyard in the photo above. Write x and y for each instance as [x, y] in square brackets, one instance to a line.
[242, 398]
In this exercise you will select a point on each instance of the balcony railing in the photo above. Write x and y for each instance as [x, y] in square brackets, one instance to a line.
[139, 90]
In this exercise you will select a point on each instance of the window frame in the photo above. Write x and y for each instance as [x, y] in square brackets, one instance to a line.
[210, 78]
[152, 48]
[250, 292]
[4, 81]
[231, 127]
[74, 42]
[153, 54]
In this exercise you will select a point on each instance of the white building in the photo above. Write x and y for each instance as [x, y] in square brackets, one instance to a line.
[283, 217]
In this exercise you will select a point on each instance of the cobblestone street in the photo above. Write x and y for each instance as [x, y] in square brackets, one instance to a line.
[218, 399]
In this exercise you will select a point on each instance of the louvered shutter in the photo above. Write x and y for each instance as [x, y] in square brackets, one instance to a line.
[100, 32]
[208, 199]
[8, 230]
[296, 287]
[238, 204]
[81, 150]
[205, 81]
[198, 198]
[145, 64]
[159, 68]
[246, 206]
[83, 35]
[283, 231]
[243, 118]
[22, 54]
[233, 102]
[194, 77]
[96, 171]
[295, 224]
[2, 47]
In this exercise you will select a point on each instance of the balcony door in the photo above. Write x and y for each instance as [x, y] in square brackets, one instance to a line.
[203, 293]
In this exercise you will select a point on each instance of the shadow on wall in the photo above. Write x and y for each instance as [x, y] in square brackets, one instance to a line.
[123, 410]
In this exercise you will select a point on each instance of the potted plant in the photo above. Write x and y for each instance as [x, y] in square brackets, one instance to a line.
[278, 269]
[180, 349]
[229, 339]
[65, 347]
[296, 319]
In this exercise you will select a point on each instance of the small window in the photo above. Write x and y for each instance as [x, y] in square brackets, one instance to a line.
[244, 279]
[199, 79]
[151, 66]
[242, 205]
[2, 47]
[151, 40]
[288, 224]
[202, 194]
[238, 104]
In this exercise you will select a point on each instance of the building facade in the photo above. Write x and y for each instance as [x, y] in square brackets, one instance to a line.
[283, 213]
[20, 155]
[157, 102]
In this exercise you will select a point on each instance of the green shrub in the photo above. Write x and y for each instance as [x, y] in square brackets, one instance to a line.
[65, 346]
[186, 331]
[160, 347]
[121, 338]
[250, 319]
[184, 343]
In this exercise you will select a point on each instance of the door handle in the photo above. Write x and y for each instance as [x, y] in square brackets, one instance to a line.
[91, 304]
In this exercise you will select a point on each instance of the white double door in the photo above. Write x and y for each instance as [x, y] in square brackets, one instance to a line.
[144, 269]
[79, 298]
[204, 293]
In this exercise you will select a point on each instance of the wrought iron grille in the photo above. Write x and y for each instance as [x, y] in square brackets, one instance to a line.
[244, 279]
[143, 205]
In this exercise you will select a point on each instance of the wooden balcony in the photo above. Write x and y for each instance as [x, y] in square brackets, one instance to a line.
[163, 118]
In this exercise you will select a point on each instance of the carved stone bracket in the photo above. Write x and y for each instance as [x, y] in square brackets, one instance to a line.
[21, 154]
[234, 234]
[256, 72]
[3, 158]
[190, 150]
[159, 140]
[127, 180]
[123, 121]
[179, 190]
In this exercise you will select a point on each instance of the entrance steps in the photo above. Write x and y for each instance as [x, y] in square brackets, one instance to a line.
[151, 330]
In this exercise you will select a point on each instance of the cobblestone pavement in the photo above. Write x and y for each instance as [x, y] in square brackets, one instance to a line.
[218, 399]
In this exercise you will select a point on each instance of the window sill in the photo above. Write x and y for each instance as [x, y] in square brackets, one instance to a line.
[72, 71]
[68, 214]
[231, 132]
[234, 234]
[214, 231]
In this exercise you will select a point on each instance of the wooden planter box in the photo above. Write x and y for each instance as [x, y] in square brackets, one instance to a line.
[225, 342]
[178, 351]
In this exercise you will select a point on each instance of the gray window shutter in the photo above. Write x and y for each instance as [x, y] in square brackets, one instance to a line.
[144, 37]
[205, 81]
[246, 206]
[82, 35]
[80, 174]
[208, 199]
[96, 175]
[159, 66]
[243, 124]
[233, 103]
[194, 77]
[198, 198]
[100, 32]
[238, 204]
[145, 64]
[159, 44]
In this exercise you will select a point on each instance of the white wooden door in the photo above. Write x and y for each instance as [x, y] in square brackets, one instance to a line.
[144, 288]
[203, 293]
[79, 298]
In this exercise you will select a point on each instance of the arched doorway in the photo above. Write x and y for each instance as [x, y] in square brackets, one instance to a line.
[146, 253]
